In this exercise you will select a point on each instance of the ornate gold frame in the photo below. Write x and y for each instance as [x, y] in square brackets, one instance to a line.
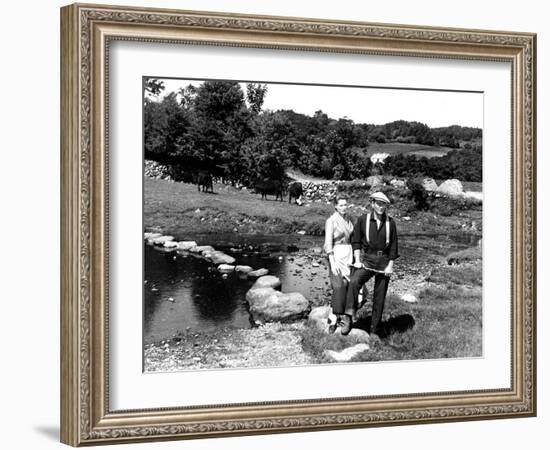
[85, 34]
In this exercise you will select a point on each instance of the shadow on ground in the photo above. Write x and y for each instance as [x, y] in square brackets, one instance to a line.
[398, 324]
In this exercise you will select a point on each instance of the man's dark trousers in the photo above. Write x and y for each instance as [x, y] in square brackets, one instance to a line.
[381, 282]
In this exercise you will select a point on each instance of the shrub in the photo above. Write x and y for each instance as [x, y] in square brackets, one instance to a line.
[418, 194]
[356, 189]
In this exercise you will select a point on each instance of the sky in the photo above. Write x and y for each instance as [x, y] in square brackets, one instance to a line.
[370, 105]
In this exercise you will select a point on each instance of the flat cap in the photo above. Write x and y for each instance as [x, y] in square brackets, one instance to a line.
[380, 196]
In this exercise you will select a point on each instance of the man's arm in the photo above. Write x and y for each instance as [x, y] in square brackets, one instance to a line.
[394, 251]
[394, 247]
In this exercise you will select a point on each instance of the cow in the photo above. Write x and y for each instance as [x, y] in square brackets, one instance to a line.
[295, 191]
[269, 187]
[204, 181]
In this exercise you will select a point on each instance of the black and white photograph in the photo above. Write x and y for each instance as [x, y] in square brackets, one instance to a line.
[298, 224]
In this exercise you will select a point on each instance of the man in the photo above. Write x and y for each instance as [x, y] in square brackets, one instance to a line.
[374, 243]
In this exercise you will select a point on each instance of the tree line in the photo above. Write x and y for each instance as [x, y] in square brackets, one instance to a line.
[220, 127]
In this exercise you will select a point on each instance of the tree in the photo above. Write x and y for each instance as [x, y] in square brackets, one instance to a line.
[187, 96]
[255, 95]
[220, 125]
[154, 86]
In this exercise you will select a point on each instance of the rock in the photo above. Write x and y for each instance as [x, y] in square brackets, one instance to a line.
[170, 244]
[429, 184]
[375, 181]
[160, 240]
[409, 298]
[164, 249]
[473, 195]
[348, 353]
[318, 317]
[359, 335]
[258, 273]
[398, 183]
[243, 269]
[202, 249]
[218, 257]
[226, 268]
[268, 305]
[450, 187]
[186, 245]
[302, 232]
[317, 250]
[151, 236]
[267, 281]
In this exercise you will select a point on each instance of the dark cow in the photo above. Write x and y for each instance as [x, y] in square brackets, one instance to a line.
[295, 191]
[270, 187]
[204, 181]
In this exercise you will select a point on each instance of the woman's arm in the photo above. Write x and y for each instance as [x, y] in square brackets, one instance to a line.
[329, 246]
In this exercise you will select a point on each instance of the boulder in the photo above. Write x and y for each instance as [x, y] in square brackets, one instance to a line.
[450, 187]
[226, 268]
[160, 248]
[162, 239]
[201, 248]
[170, 244]
[268, 305]
[474, 195]
[348, 353]
[267, 281]
[359, 335]
[318, 317]
[151, 236]
[258, 273]
[409, 298]
[429, 184]
[219, 257]
[186, 245]
[243, 269]
[375, 181]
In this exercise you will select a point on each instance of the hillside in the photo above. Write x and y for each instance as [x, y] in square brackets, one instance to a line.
[396, 148]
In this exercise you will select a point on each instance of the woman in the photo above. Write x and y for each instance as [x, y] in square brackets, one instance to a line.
[338, 230]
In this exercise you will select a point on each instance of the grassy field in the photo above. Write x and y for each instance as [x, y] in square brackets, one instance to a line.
[395, 148]
[180, 210]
